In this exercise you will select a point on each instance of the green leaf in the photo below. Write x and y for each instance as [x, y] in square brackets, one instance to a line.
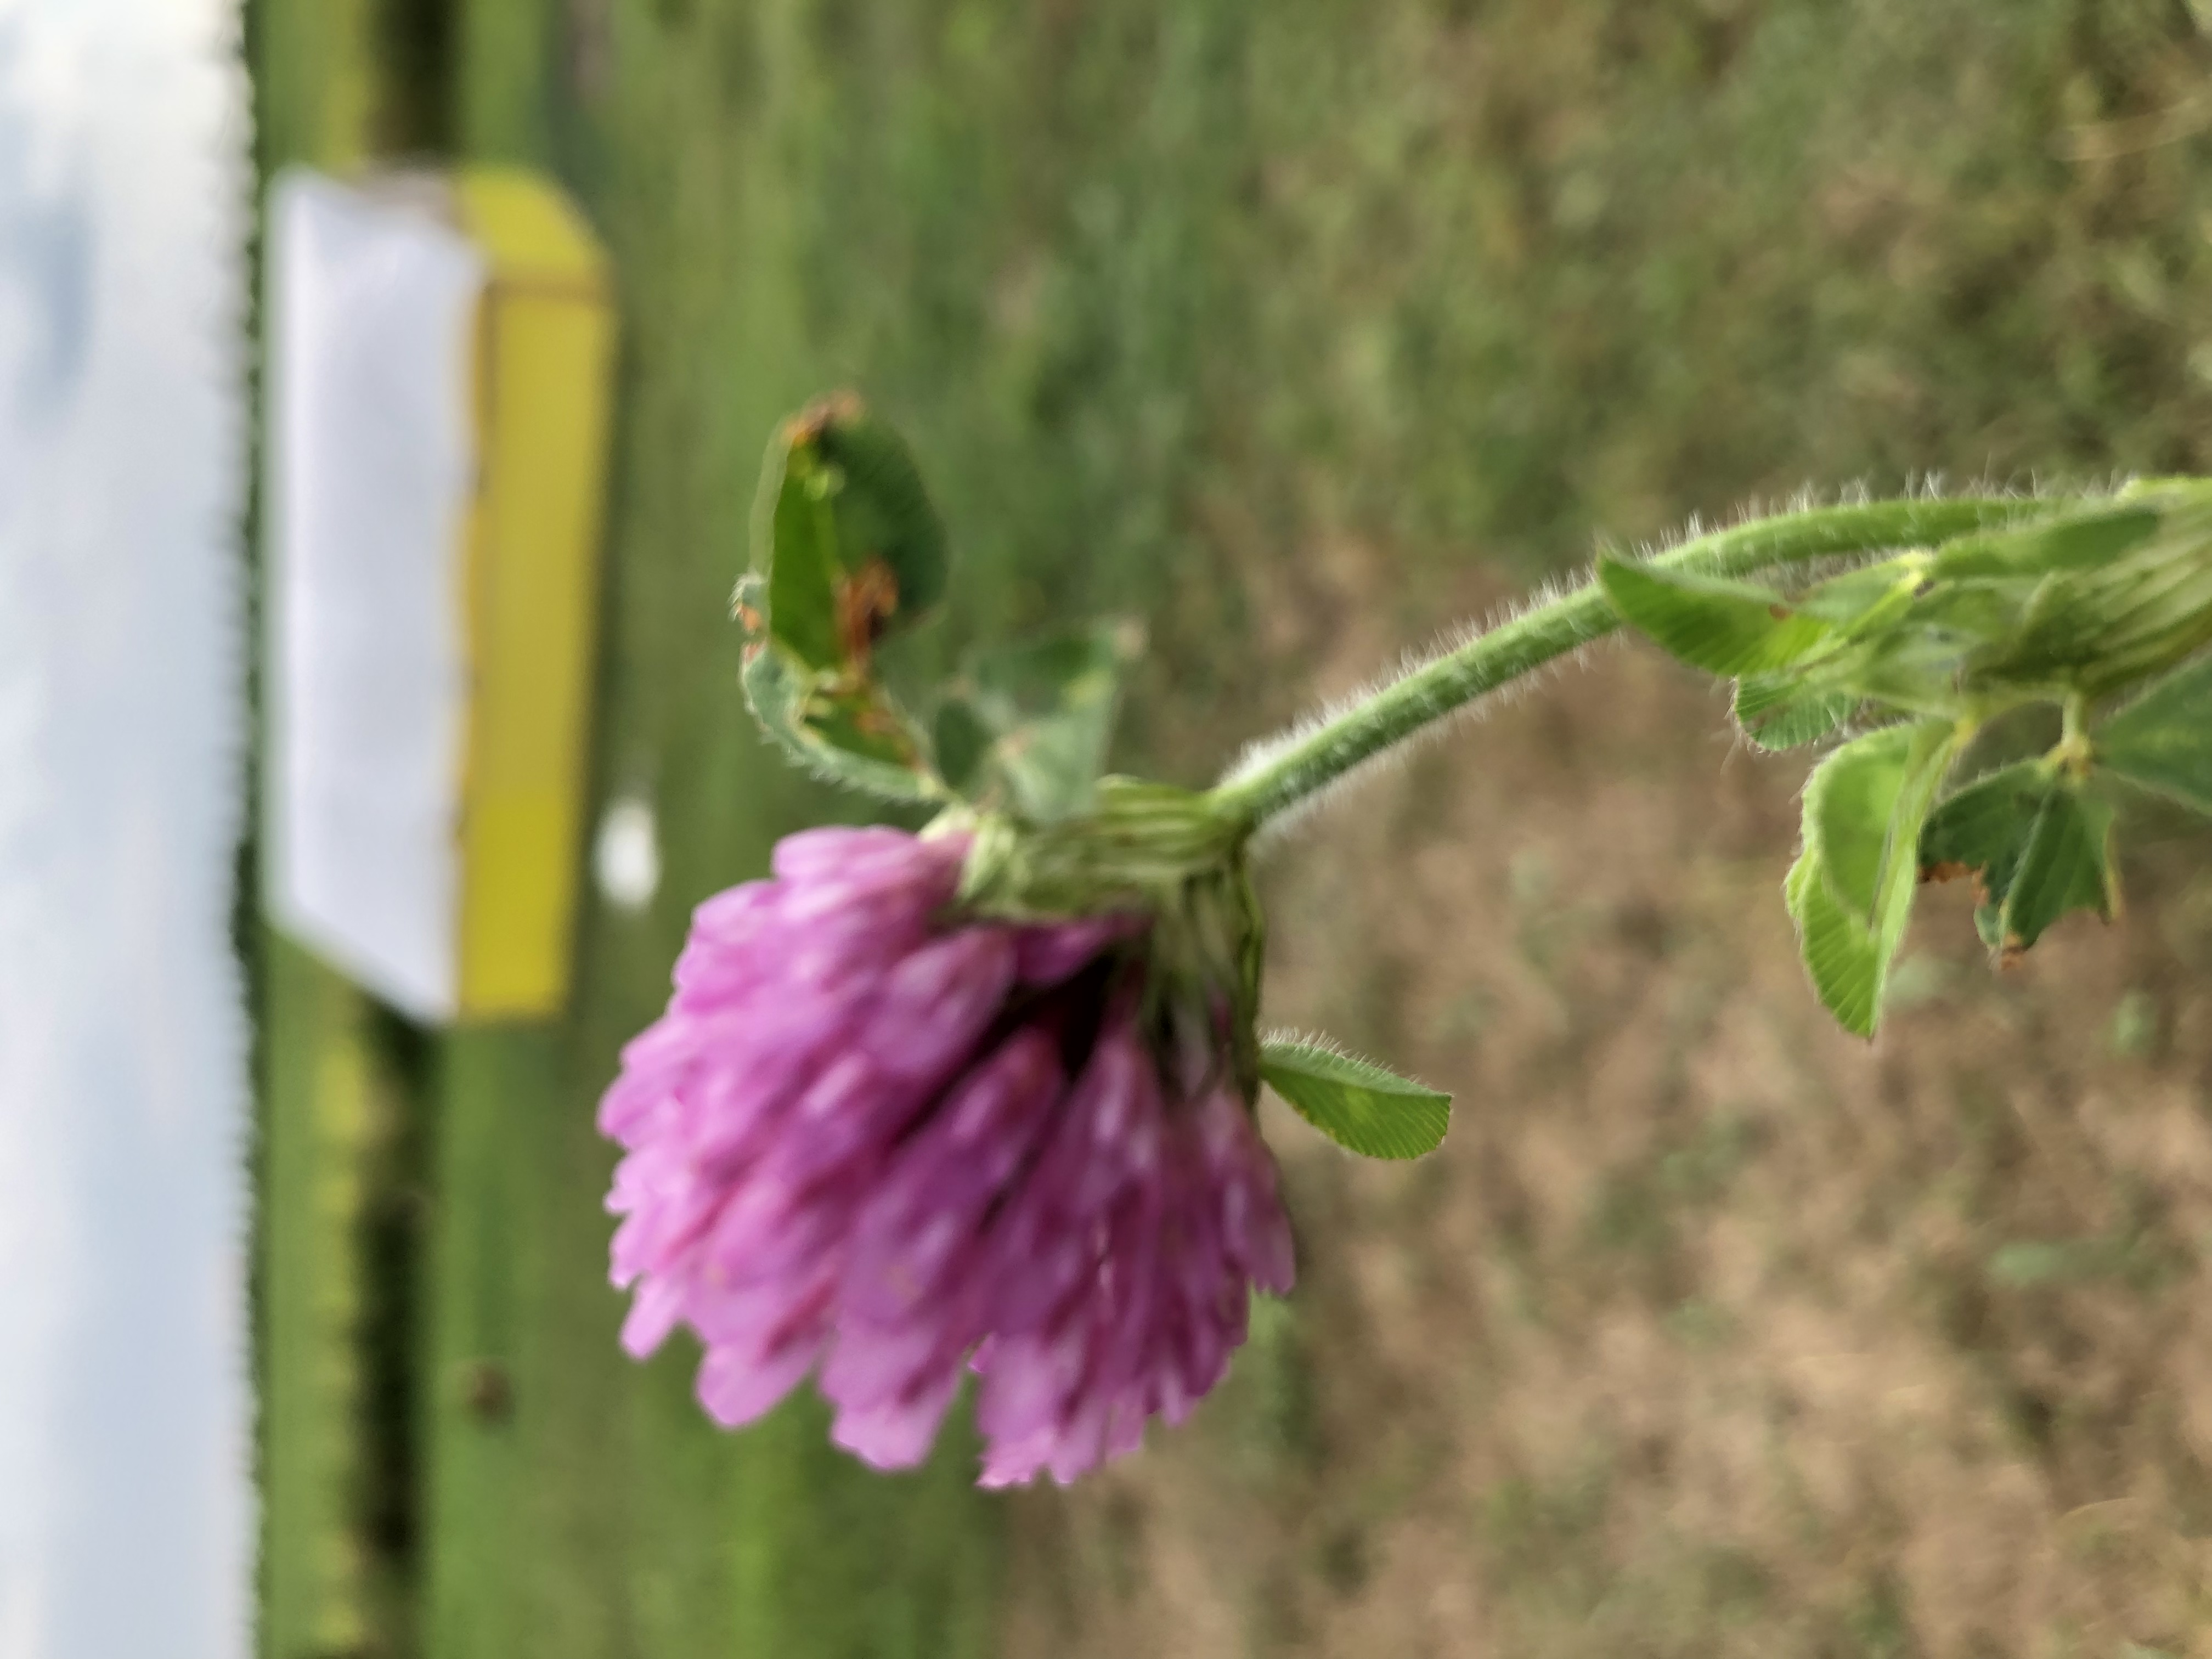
[1723, 627]
[847, 549]
[797, 565]
[2067, 865]
[1053, 703]
[1849, 800]
[1840, 952]
[2163, 740]
[1843, 599]
[842, 734]
[2081, 540]
[1983, 828]
[883, 511]
[846, 544]
[1355, 1103]
[1973, 612]
[1909, 669]
[1862, 603]
[1850, 892]
[1778, 712]
[2106, 626]
[2038, 844]
[963, 746]
[1030, 724]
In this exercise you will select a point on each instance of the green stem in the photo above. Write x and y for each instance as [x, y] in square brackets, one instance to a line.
[1278, 776]
[2073, 752]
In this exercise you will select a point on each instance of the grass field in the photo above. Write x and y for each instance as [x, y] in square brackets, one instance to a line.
[1295, 330]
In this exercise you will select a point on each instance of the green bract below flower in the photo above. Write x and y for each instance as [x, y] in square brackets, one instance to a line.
[982, 1099]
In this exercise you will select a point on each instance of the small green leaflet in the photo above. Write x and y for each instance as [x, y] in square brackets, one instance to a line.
[2163, 740]
[1983, 828]
[1862, 603]
[1849, 802]
[846, 550]
[797, 562]
[846, 544]
[1355, 1103]
[1776, 712]
[1028, 725]
[1970, 612]
[2067, 865]
[964, 745]
[2082, 541]
[2106, 625]
[861, 744]
[2040, 846]
[1851, 891]
[1841, 955]
[884, 511]
[1723, 627]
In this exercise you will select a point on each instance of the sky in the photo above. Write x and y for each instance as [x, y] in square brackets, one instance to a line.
[125, 1505]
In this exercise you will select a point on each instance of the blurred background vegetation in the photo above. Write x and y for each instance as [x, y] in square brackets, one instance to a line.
[1299, 330]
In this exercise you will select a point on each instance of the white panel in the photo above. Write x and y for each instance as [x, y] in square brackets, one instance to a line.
[126, 1456]
[371, 466]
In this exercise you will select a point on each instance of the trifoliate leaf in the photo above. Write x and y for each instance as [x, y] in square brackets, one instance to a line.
[2163, 740]
[1850, 892]
[1723, 627]
[1355, 1103]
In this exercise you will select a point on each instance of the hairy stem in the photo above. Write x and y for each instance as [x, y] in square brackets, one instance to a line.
[1278, 776]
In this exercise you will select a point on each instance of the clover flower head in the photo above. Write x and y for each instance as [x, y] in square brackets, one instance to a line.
[885, 1140]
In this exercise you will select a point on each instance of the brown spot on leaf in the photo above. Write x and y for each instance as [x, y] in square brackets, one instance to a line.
[875, 720]
[867, 600]
[819, 416]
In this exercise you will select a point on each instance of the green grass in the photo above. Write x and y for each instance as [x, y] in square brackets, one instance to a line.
[1178, 301]
[315, 1153]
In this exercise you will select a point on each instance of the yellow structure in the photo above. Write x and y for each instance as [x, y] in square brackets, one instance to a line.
[439, 379]
[544, 348]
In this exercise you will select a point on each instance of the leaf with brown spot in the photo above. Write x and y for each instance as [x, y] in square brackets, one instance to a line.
[866, 601]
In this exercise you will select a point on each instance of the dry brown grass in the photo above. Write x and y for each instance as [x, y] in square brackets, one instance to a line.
[1711, 1331]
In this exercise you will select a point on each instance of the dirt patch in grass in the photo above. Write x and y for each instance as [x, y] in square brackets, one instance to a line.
[1711, 1331]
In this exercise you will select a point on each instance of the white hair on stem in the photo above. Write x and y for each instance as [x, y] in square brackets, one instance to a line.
[1298, 1037]
[1258, 756]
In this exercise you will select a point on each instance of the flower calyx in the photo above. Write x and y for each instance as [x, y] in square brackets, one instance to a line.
[1175, 864]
